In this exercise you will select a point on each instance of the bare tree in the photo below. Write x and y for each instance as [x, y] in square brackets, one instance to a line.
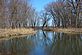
[65, 13]
[16, 13]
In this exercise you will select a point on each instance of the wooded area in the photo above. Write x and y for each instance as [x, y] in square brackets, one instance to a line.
[15, 13]
[66, 13]
[19, 13]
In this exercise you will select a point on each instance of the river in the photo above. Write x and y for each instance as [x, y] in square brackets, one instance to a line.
[43, 43]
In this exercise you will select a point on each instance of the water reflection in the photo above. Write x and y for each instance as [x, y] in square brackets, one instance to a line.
[43, 43]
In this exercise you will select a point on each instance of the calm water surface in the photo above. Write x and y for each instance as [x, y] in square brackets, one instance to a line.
[43, 43]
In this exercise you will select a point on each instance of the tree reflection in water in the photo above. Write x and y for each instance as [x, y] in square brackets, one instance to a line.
[43, 43]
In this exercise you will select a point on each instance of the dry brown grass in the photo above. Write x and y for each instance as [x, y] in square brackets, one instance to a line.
[67, 30]
[5, 33]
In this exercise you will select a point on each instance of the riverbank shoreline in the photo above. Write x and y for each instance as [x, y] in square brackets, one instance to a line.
[9, 33]
[65, 30]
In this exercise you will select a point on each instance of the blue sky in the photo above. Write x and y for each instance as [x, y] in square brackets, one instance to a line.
[39, 4]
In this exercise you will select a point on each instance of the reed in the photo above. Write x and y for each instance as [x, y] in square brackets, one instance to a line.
[15, 32]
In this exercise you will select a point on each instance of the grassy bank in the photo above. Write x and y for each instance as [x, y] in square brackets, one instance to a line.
[6, 33]
[66, 30]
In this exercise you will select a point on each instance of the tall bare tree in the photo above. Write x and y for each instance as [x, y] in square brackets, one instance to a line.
[66, 13]
[15, 13]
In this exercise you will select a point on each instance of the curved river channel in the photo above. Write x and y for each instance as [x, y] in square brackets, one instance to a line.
[43, 43]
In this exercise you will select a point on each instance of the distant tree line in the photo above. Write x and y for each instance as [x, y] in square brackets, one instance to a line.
[16, 14]
[65, 13]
